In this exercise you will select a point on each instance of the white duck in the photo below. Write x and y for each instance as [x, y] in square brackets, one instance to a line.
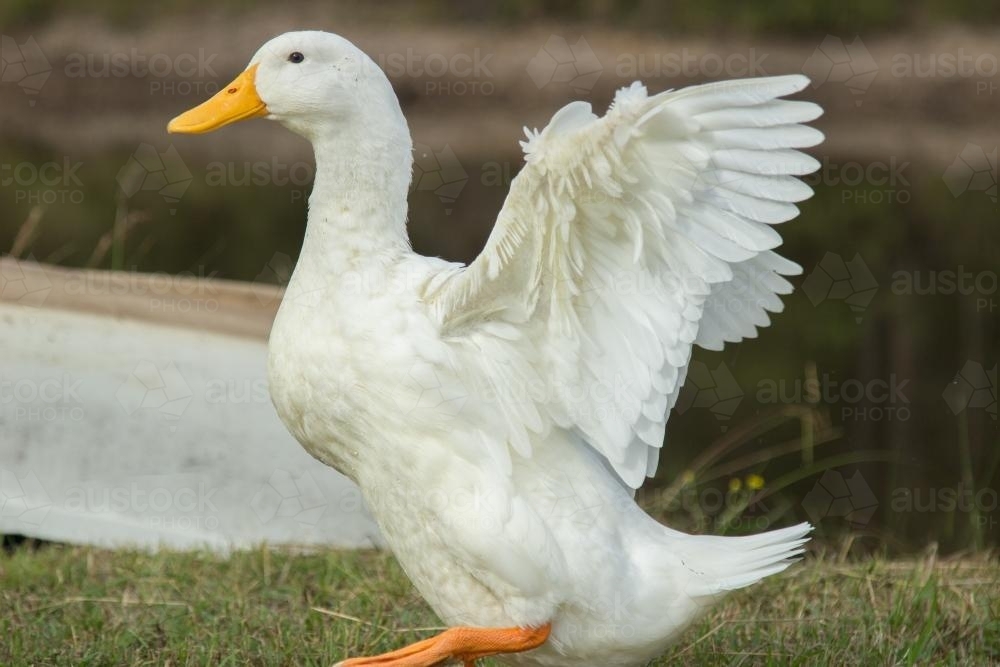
[498, 417]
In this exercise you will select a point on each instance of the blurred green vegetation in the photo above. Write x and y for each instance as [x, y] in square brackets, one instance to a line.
[916, 232]
[706, 17]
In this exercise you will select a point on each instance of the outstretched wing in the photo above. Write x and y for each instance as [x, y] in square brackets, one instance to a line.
[624, 241]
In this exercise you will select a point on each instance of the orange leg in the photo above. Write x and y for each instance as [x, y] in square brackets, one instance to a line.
[463, 644]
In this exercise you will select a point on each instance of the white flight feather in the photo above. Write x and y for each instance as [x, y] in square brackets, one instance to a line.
[626, 240]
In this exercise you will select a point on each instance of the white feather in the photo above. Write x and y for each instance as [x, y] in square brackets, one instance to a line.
[673, 194]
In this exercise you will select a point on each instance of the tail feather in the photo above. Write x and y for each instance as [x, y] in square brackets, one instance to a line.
[727, 563]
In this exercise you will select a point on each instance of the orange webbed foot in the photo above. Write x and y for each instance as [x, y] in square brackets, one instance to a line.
[466, 645]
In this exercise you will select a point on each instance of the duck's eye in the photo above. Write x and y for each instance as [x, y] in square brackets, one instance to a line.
[296, 57]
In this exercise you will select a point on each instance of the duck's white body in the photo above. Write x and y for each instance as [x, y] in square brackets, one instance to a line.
[498, 417]
[556, 538]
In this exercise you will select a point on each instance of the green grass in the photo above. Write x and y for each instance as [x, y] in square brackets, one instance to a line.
[81, 606]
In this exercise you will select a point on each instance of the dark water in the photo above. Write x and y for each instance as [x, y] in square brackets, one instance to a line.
[882, 369]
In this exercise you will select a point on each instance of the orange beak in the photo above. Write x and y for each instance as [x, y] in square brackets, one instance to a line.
[237, 101]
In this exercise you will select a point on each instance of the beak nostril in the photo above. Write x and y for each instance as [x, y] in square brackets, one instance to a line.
[232, 90]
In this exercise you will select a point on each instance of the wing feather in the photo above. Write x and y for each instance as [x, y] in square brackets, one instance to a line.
[625, 241]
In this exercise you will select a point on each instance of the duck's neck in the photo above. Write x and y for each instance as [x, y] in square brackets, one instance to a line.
[357, 209]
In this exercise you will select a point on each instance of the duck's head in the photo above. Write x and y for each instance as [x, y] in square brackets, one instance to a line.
[314, 83]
